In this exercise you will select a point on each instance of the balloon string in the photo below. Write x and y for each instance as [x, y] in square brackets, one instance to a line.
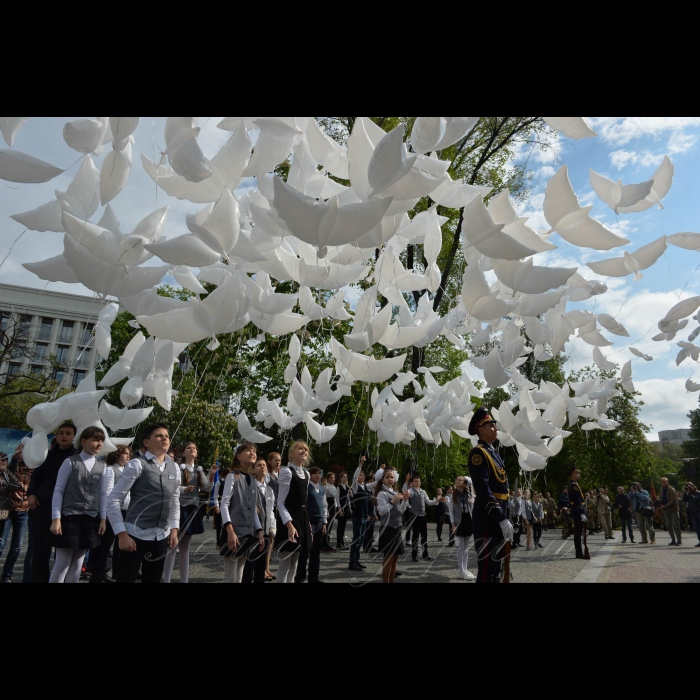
[12, 247]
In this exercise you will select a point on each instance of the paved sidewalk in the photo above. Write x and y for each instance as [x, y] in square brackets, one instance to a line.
[637, 563]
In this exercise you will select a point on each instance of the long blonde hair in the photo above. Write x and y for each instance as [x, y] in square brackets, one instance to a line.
[293, 446]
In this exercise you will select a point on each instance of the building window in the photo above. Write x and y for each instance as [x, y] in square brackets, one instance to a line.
[37, 369]
[14, 370]
[87, 334]
[4, 322]
[67, 329]
[46, 329]
[62, 353]
[83, 359]
[78, 377]
[59, 376]
[25, 326]
[41, 352]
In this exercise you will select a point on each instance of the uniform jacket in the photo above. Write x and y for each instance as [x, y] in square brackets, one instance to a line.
[491, 486]
[578, 500]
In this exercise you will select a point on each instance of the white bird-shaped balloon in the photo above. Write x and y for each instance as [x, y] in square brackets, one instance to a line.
[572, 127]
[616, 195]
[249, 433]
[573, 222]
[632, 263]
[663, 180]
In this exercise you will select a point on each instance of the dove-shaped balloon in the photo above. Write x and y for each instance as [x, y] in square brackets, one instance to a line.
[249, 433]
[572, 221]
[616, 195]
[631, 263]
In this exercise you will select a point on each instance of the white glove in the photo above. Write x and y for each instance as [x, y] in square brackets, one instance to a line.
[584, 519]
[508, 531]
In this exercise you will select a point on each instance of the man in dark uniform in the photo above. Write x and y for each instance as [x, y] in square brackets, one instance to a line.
[578, 510]
[491, 525]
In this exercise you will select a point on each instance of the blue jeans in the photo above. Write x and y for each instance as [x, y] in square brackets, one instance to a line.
[359, 530]
[18, 522]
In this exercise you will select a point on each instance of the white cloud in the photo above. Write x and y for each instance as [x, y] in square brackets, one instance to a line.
[666, 405]
[620, 131]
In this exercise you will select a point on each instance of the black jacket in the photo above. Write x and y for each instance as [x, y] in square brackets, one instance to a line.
[623, 503]
[693, 501]
[44, 478]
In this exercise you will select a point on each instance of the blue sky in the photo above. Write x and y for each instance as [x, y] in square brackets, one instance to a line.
[627, 147]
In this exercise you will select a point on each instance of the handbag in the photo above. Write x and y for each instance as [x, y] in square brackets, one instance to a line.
[648, 512]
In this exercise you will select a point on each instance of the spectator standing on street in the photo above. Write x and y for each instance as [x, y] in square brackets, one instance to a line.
[670, 510]
[564, 500]
[691, 498]
[449, 503]
[9, 487]
[333, 503]
[624, 510]
[310, 559]
[605, 513]
[391, 507]
[361, 497]
[18, 521]
[644, 513]
[40, 497]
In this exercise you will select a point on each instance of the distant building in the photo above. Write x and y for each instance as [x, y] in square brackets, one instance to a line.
[57, 325]
[674, 437]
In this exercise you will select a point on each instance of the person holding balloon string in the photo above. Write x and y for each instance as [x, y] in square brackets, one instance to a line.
[239, 514]
[79, 507]
[294, 533]
[194, 481]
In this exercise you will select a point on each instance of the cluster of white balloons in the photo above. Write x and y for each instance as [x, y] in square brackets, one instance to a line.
[325, 236]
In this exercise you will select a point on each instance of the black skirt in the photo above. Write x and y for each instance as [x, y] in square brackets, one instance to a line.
[79, 532]
[300, 520]
[391, 542]
[191, 520]
[246, 544]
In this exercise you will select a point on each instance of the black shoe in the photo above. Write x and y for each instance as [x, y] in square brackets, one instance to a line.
[539, 546]
[356, 567]
[679, 544]
[415, 560]
[439, 540]
[109, 579]
[452, 545]
[399, 574]
[363, 567]
[580, 556]
[673, 544]
[633, 542]
[427, 559]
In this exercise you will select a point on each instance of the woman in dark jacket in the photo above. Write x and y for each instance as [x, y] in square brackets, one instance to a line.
[691, 498]
[9, 485]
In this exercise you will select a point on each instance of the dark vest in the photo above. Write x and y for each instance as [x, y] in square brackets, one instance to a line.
[316, 504]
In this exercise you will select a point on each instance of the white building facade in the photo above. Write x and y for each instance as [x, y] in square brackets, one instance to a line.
[56, 325]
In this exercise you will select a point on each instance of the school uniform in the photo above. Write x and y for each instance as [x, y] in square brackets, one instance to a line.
[450, 519]
[441, 516]
[292, 507]
[361, 498]
[80, 501]
[462, 508]
[534, 512]
[317, 508]
[419, 500]
[191, 506]
[153, 512]
[390, 534]
[333, 507]
[256, 565]
[344, 507]
[239, 507]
